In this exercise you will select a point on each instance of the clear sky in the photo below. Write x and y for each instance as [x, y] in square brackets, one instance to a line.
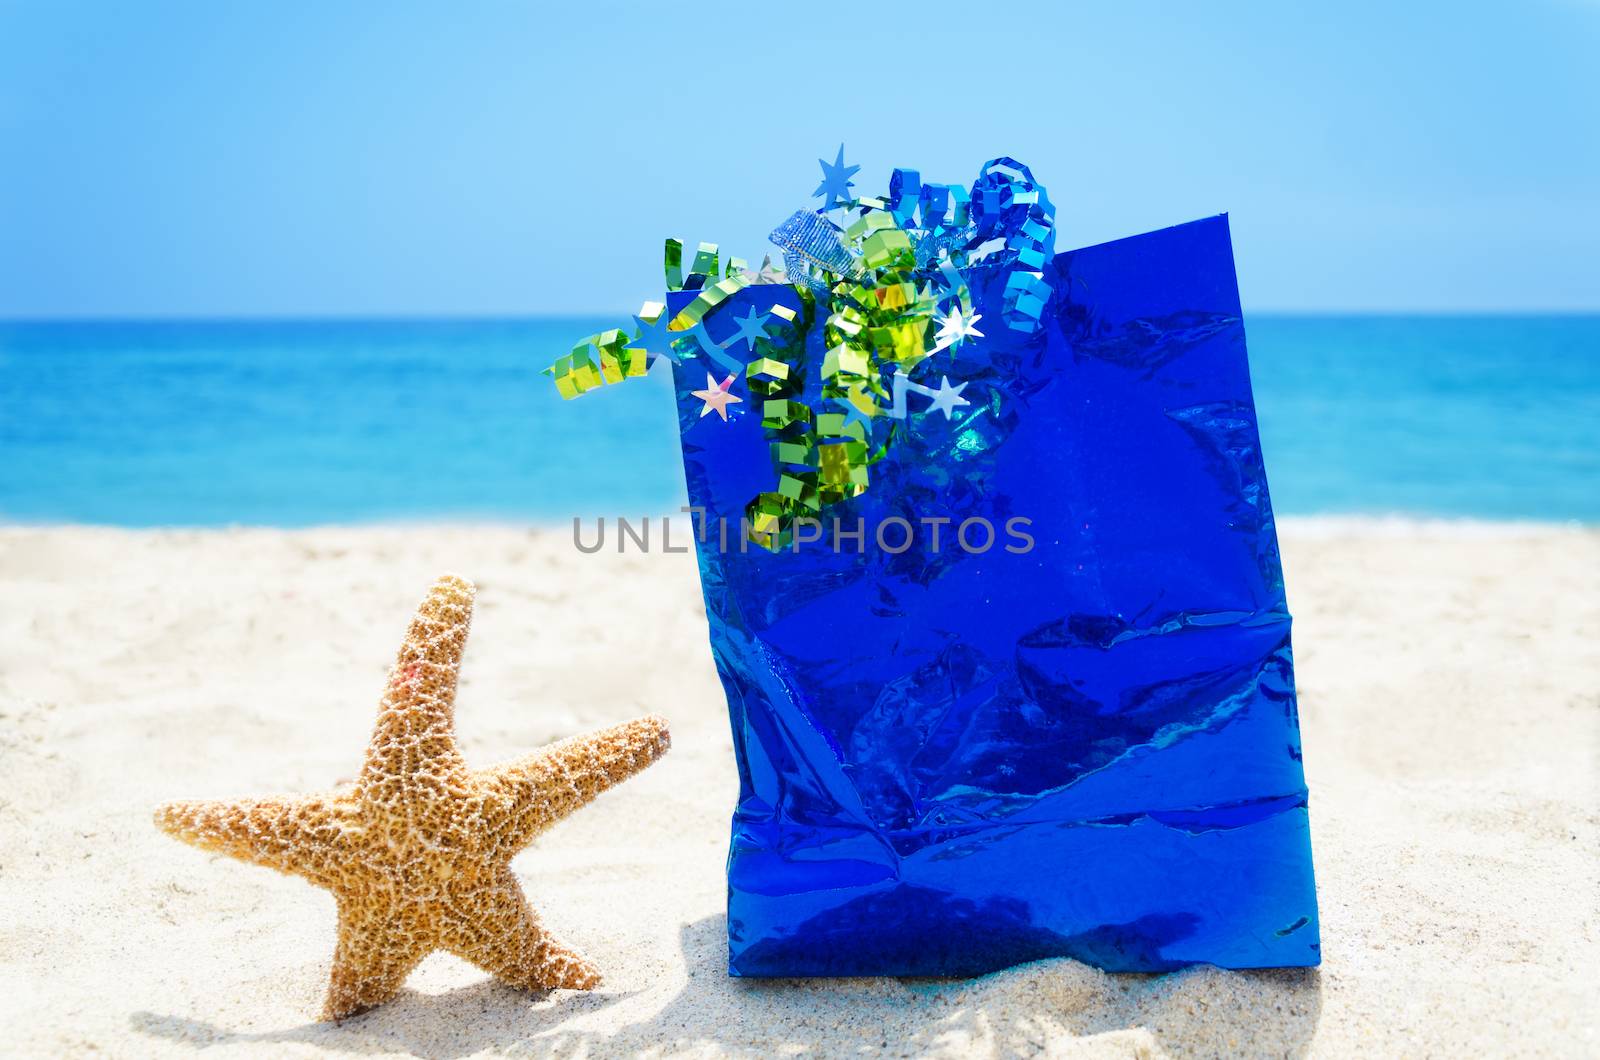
[216, 158]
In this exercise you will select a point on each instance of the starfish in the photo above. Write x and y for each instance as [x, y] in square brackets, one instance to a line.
[417, 851]
[717, 396]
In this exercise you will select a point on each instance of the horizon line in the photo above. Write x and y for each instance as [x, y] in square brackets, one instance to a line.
[521, 316]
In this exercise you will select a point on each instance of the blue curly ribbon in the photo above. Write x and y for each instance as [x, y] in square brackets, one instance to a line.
[1009, 206]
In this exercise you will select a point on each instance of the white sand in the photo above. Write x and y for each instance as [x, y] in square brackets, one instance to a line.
[1450, 693]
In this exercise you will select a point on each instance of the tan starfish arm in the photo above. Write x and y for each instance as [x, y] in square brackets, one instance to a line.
[416, 718]
[379, 944]
[503, 936]
[526, 796]
[300, 835]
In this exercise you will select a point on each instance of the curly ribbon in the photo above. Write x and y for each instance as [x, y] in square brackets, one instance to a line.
[1008, 205]
[619, 357]
[882, 276]
[788, 425]
[578, 373]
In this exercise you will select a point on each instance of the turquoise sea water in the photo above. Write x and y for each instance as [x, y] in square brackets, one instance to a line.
[297, 423]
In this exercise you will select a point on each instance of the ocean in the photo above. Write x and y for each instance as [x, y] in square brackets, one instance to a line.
[295, 423]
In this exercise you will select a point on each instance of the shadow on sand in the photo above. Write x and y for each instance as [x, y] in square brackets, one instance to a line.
[1015, 1012]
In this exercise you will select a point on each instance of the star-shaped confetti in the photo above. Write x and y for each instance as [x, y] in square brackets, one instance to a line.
[836, 182]
[956, 327]
[654, 338]
[947, 398]
[752, 326]
[718, 396]
[770, 273]
[853, 414]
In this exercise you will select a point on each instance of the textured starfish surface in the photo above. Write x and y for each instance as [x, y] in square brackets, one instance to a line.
[417, 851]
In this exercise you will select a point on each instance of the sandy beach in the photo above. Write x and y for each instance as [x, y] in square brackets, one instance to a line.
[1450, 697]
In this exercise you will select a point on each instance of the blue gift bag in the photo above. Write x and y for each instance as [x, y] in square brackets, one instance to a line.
[1031, 695]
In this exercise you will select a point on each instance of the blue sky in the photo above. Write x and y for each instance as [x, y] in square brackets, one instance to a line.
[291, 158]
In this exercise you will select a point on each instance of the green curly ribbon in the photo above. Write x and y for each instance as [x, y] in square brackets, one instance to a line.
[881, 279]
[788, 425]
[879, 316]
[578, 372]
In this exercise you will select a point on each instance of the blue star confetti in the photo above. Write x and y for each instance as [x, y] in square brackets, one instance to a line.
[836, 182]
[654, 338]
[752, 326]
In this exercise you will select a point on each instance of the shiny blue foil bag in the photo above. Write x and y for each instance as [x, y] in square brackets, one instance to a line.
[954, 758]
